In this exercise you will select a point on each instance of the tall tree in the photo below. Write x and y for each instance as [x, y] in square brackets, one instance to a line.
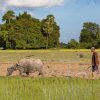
[8, 16]
[47, 27]
[54, 37]
[89, 34]
[27, 33]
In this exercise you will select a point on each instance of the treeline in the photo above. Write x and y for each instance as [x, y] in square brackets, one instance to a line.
[26, 32]
[89, 36]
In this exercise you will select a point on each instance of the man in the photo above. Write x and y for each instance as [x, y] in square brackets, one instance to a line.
[95, 61]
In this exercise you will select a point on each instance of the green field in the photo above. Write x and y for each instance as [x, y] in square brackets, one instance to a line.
[46, 88]
[17, 88]
[46, 55]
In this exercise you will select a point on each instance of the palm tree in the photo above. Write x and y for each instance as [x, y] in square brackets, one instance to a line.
[8, 16]
[48, 27]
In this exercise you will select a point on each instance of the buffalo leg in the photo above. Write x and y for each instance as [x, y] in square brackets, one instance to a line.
[21, 70]
[27, 73]
[40, 72]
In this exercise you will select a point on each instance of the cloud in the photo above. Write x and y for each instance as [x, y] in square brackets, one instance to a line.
[4, 4]
[34, 3]
[30, 3]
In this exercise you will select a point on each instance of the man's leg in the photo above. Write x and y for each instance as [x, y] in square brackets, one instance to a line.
[97, 70]
[93, 72]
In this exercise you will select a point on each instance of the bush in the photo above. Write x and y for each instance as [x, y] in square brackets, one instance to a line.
[73, 44]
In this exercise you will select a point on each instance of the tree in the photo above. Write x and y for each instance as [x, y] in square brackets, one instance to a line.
[73, 44]
[54, 37]
[98, 39]
[89, 34]
[27, 32]
[3, 39]
[8, 16]
[63, 45]
[25, 15]
[47, 27]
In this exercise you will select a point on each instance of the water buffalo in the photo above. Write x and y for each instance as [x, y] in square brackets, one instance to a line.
[26, 66]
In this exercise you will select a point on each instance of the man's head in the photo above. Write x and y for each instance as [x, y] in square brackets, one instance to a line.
[92, 49]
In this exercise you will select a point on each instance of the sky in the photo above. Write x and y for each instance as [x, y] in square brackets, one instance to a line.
[69, 14]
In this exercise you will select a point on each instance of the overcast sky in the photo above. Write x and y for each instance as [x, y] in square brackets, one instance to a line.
[70, 14]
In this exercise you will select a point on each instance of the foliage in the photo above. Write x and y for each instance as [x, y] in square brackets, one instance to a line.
[89, 35]
[73, 44]
[4, 39]
[8, 16]
[63, 45]
[25, 32]
[51, 31]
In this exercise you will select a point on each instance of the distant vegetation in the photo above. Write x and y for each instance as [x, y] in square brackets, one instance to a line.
[89, 36]
[26, 32]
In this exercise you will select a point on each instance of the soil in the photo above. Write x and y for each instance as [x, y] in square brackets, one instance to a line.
[57, 69]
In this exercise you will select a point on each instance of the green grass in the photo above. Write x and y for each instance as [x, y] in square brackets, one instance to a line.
[46, 55]
[17, 88]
